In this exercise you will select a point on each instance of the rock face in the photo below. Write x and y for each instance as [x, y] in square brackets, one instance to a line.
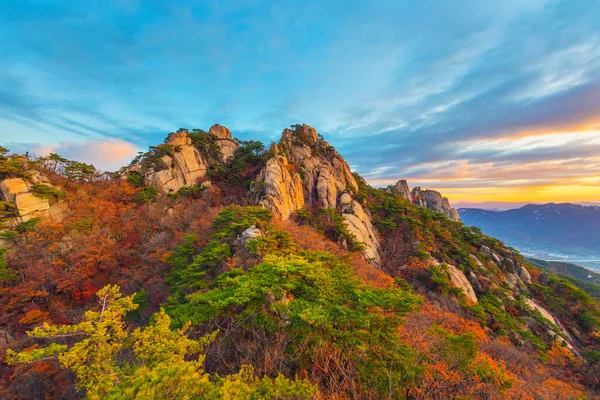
[307, 171]
[433, 200]
[184, 164]
[249, 234]
[283, 190]
[19, 192]
[12, 187]
[430, 199]
[402, 190]
[225, 140]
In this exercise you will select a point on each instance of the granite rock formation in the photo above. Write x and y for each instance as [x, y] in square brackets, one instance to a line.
[433, 200]
[306, 171]
[185, 163]
[20, 192]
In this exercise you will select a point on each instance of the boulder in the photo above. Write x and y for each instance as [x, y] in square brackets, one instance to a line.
[545, 313]
[225, 140]
[12, 187]
[459, 280]
[477, 262]
[249, 234]
[220, 132]
[496, 258]
[485, 250]
[30, 206]
[524, 274]
[359, 225]
[514, 282]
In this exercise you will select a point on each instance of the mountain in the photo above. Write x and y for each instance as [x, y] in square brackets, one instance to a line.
[579, 276]
[217, 268]
[506, 205]
[551, 229]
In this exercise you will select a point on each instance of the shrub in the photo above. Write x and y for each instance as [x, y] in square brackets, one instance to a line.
[148, 194]
[47, 192]
[28, 226]
[135, 178]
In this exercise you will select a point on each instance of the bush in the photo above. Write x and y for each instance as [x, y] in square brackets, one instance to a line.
[7, 209]
[148, 194]
[135, 178]
[330, 223]
[28, 226]
[47, 192]
[187, 191]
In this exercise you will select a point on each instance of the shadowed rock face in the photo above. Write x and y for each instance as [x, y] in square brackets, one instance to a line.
[186, 166]
[306, 171]
[402, 190]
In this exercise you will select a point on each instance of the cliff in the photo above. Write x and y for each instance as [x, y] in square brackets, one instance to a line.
[430, 199]
[305, 170]
[184, 159]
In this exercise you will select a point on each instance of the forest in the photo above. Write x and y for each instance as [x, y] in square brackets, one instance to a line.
[202, 293]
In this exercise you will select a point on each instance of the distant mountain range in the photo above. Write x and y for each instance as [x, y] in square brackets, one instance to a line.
[551, 231]
[507, 205]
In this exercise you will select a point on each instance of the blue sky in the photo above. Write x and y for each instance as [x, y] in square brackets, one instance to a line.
[465, 96]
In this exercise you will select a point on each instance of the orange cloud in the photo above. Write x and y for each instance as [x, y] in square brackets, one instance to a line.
[104, 154]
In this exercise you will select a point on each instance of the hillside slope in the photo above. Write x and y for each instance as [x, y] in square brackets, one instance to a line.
[273, 273]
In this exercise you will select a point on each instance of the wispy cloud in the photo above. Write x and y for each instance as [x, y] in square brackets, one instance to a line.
[439, 92]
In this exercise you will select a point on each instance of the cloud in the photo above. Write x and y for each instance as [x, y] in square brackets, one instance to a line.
[106, 155]
[403, 89]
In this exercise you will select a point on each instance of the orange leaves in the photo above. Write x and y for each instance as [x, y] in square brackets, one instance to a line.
[308, 238]
[430, 315]
[560, 356]
[35, 317]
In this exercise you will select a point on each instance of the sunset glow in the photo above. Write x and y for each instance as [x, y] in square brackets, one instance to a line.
[449, 100]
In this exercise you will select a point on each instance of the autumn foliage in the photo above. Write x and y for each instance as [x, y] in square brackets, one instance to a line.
[292, 313]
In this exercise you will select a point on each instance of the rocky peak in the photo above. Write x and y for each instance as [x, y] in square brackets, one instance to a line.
[185, 158]
[430, 199]
[179, 138]
[225, 141]
[401, 188]
[307, 171]
[220, 132]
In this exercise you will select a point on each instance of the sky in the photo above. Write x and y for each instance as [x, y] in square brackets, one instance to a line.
[483, 100]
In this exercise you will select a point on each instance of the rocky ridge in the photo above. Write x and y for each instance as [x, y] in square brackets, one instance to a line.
[306, 171]
[185, 159]
[430, 199]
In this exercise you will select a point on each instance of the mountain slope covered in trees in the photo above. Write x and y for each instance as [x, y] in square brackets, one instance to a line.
[215, 268]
